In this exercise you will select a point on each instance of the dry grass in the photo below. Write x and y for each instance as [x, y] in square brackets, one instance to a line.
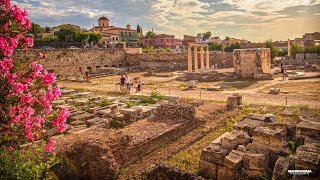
[298, 88]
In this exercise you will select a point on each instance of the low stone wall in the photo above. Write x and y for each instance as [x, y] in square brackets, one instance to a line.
[176, 111]
[208, 76]
[125, 155]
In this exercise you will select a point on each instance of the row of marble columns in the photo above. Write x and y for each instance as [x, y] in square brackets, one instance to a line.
[196, 65]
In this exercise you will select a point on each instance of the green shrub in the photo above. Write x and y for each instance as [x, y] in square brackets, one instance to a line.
[129, 104]
[114, 123]
[105, 103]
[156, 95]
[26, 164]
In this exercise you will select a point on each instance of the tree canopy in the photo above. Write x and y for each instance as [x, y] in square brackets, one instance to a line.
[67, 33]
[95, 37]
[231, 47]
[296, 49]
[273, 50]
[215, 47]
[35, 29]
[206, 35]
[150, 34]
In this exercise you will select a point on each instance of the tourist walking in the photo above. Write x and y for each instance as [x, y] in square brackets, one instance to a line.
[135, 83]
[127, 82]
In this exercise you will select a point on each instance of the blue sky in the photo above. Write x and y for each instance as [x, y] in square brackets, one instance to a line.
[255, 20]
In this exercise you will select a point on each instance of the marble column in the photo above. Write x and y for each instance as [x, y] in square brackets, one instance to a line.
[207, 58]
[195, 50]
[201, 59]
[189, 59]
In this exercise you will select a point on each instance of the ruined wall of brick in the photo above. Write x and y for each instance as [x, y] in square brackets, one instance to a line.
[71, 62]
[252, 63]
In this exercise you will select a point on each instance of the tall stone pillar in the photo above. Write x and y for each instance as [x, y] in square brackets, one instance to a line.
[195, 50]
[189, 59]
[201, 59]
[207, 58]
[289, 47]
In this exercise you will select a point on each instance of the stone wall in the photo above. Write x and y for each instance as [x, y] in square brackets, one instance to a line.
[252, 63]
[70, 62]
[167, 172]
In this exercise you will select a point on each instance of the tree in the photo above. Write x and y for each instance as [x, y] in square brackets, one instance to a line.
[312, 49]
[82, 37]
[215, 47]
[227, 38]
[150, 34]
[199, 35]
[207, 35]
[47, 29]
[35, 29]
[94, 37]
[67, 33]
[296, 49]
[231, 47]
[50, 39]
[273, 50]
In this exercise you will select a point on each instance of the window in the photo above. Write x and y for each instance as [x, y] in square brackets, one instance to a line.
[171, 40]
[129, 34]
[167, 40]
[161, 40]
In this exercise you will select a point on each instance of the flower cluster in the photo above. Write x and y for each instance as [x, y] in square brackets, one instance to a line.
[25, 96]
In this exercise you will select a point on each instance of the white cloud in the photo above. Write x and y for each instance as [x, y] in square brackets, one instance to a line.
[268, 5]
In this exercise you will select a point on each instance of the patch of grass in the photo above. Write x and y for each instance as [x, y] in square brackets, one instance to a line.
[114, 123]
[129, 104]
[105, 103]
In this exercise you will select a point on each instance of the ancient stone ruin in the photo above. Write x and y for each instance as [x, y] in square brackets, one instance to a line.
[259, 146]
[252, 63]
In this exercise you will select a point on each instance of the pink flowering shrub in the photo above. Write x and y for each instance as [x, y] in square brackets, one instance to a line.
[25, 97]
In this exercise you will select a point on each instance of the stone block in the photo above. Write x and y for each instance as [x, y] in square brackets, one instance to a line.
[234, 101]
[262, 117]
[174, 99]
[193, 84]
[248, 125]
[78, 122]
[218, 140]
[308, 158]
[96, 120]
[236, 138]
[269, 137]
[130, 114]
[255, 161]
[307, 129]
[214, 88]
[242, 148]
[280, 170]
[82, 117]
[214, 154]
[208, 170]
[234, 160]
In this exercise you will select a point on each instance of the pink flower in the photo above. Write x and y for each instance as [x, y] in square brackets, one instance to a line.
[5, 26]
[50, 145]
[10, 148]
[28, 41]
[48, 79]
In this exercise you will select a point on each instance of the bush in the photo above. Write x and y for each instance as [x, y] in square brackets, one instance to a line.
[156, 95]
[25, 164]
[129, 104]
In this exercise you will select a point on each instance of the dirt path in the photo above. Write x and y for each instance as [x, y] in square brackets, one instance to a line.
[251, 96]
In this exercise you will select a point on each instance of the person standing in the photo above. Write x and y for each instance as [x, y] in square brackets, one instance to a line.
[139, 84]
[135, 83]
[122, 80]
[127, 82]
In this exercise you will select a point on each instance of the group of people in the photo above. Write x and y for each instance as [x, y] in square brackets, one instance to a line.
[125, 81]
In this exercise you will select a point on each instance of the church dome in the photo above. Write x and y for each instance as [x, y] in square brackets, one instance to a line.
[103, 18]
